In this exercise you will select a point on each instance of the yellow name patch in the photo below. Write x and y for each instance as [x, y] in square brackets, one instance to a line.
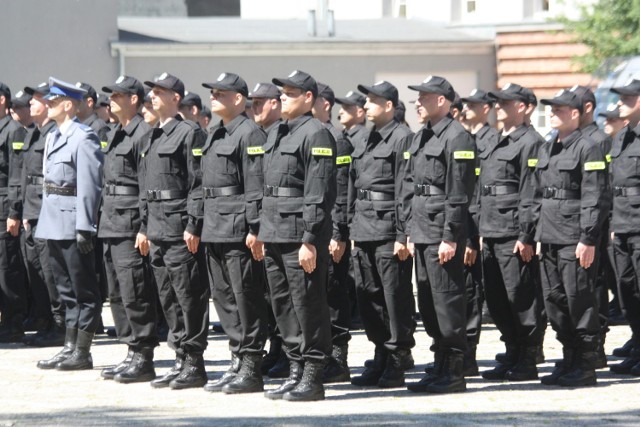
[407, 155]
[532, 163]
[594, 166]
[322, 151]
[464, 155]
[17, 145]
[254, 151]
[477, 171]
[104, 144]
[141, 154]
[608, 157]
[343, 160]
[196, 152]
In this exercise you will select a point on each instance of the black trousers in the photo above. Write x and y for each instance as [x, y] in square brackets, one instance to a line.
[75, 277]
[626, 250]
[442, 299]
[569, 296]
[46, 301]
[132, 293]
[13, 293]
[338, 298]
[475, 299]
[511, 292]
[605, 280]
[299, 301]
[385, 295]
[184, 296]
[237, 288]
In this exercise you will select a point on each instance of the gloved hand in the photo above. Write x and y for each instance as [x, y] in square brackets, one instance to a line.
[85, 241]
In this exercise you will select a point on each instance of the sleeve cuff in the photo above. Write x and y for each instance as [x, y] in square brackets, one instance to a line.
[309, 238]
[401, 238]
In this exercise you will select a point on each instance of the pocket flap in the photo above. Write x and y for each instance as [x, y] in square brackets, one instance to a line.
[63, 157]
[169, 147]
[289, 148]
[382, 151]
[509, 201]
[434, 147]
[509, 153]
[292, 205]
[230, 207]
[568, 164]
[124, 149]
[225, 149]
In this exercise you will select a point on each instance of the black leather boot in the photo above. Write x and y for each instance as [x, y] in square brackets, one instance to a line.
[281, 368]
[407, 362]
[171, 375]
[295, 375]
[583, 372]
[525, 369]
[626, 348]
[628, 363]
[249, 378]
[434, 372]
[227, 377]
[371, 374]
[337, 370]
[601, 356]
[140, 369]
[310, 388]
[192, 375]
[80, 359]
[502, 367]
[562, 367]
[71, 335]
[470, 364]
[272, 357]
[450, 379]
[54, 337]
[112, 371]
[393, 374]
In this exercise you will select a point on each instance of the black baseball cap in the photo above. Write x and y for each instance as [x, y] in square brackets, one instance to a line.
[436, 84]
[457, 102]
[565, 97]
[383, 89]
[190, 99]
[631, 87]
[352, 98]
[20, 99]
[103, 101]
[4, 90]
[229, 81]
[298, 79]
[478, 96]
[167, 81]
[147, 98]
[612, 112]
[511, 92]
[585, 94]
[532, 99]
[91, 92]
[324, 91]
[265, 90]
[126, 84]
[42, 89]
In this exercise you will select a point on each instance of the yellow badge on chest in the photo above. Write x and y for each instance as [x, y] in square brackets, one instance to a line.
[255, 151]
[532, 163]
[594, 166]
[197, 152]
[322, 152]
[464, 155]
[343, 160]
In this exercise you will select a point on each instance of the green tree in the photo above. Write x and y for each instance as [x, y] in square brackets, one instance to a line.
[610, 28]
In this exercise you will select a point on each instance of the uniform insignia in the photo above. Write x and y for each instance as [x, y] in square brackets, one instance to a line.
[43, 84]
[19, 94]
[608, 158]
[293, 73]
[17, 145]
[506, 86]
[186, 92]
[464, 155]
[197, 152]
[477, 171]
[532, 163]
[574, 88]
[473, 92]
[427, 80]
[120, 80]
[255, 151]
[406, 155]
[141, 154]
[628, 82]
[104, 144]
[594, 166]
[559, 93]
[163, 76]
[350, 93]
[379, 83]
[343, 160]
[322, 151]
[255, 89]
[78, 84]
[222, 76]
[611, 107]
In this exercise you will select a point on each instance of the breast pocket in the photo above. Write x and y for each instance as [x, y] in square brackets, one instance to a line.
[124, 160]
[508, 162]
[383, 160]
[65, 169]
[570, 173]
[289, 158]
[171, 157]
[226, 163]
[434, 162]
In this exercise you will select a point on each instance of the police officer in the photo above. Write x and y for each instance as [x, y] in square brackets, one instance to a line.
[613, 123]
[296, 227]
[35, 250]
[337, 370]
[509, 263]
[438, 186]
[381, 260]
[87, 113]
[68, 220]
[132, 294]
[352, 115]
[569, 209]
[12, 287]
[191, 106]
[204, 118]
[149, 115]
[173, 193]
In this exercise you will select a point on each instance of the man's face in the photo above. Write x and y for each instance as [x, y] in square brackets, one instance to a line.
[56, 107]
[38, 106]
[120, 102]
[629, 106]
[561, 117]
[474, 112]
[293, 102]
[376, 107]
[163, 99]
[507, 109]
[20, 114]
[427, 106]
[149, 114]
[350, 115]
[261, 108]
[612, 126]
[222, 100]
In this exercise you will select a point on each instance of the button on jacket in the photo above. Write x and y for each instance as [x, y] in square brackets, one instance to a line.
[625, 181]
[505, 185]
[120, 196]
[232, 180]
[300, 160]
[11, 132]
[32, 177]
[377, 169]
[172, 179]
[439, 182]
[570, 202]
[343, 161]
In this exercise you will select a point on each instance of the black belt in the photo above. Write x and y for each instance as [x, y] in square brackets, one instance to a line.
[61, 191]
[209, 192]
[153, 195]
[498, 190]
[427, 190]
[35, 180]
[273, 191]
[558, 193]
[120, 190]
[626, 191]
[374, 195]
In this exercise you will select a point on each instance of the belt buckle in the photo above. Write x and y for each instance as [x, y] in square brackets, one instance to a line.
[486, 190]
[618, 191]
[268, 190]
[549, 192]
[365, 195]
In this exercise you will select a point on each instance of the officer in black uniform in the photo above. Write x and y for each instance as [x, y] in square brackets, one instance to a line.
[569, 207]
[13, 294]
[87, 114]
[381, 260]
[36, 252]
[173, 191]
[508, 252]
[296, 226]
[625, 225]
[191, 106]
[613, 123]
[132, 293]
[266, 106]
[232, 185]
[352, 115]
[337, 369]
[438, 186]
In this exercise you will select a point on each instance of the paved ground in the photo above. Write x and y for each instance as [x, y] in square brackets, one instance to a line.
[30, 396]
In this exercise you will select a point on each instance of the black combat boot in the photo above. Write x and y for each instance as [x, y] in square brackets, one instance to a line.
[53, 337]
[337, 370]
[432, 374]
[601, 356]
[525, 368]
[192, 375]
[271, 358]
[470, 364]
[295, 375]
[140, 369]
[635, 371]
[371, 374]
[626, 348]
[450, 379]
[80, 359]
[227, 377]
[393, 374]
[583, 372]
[112, 371]
[407, 362]
[628, 363]
[171, 375]
[249, 378]
[502, 367]
[310, 388]
[281, 368]
[71, 335]
[562, 367]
